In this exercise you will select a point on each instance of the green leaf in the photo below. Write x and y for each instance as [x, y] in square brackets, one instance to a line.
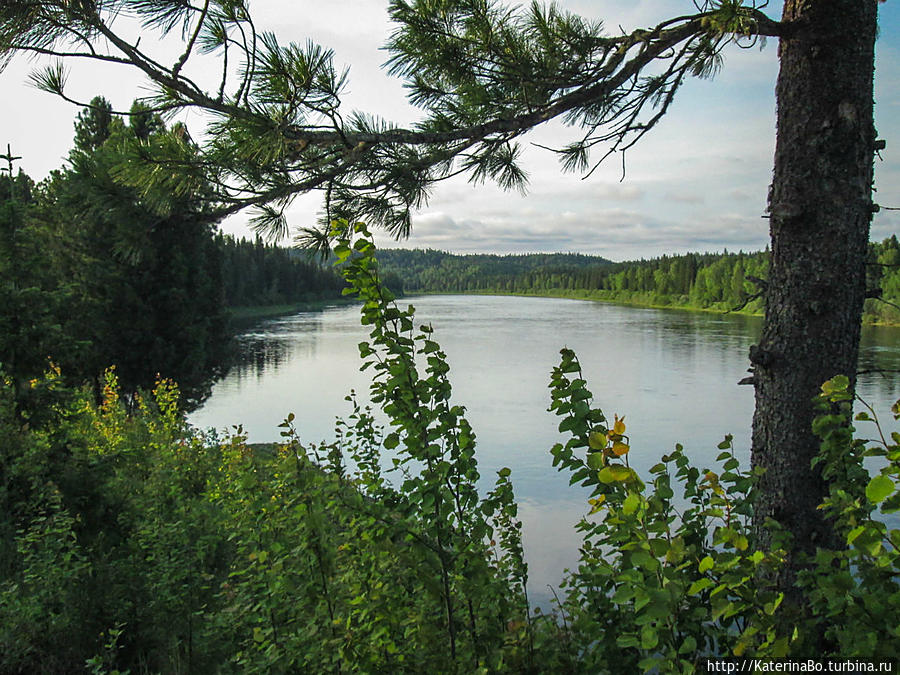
[699, 585]
[689, 646]
[341, 252]
[631, 503]
[649, 637]
[614, 473]
[706, 564]
[628, 640]
[595, 460]
[854, 534]
[879, 488]
[838, 383]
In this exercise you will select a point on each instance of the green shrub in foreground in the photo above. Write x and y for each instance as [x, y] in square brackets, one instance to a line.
[132, 542]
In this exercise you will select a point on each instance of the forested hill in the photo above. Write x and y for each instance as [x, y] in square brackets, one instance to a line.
[722, 281]
[430, 270]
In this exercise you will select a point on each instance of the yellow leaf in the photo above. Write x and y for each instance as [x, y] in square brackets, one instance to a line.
[597, 503]
[620, 448]
[619, 426]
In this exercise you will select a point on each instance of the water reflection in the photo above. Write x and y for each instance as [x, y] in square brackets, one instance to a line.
[879, 361]
[673, 374]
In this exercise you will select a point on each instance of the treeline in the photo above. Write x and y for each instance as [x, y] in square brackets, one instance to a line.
[722, 281]
[94, 272]
[429, 270]
[131, 542]
[257, 273]
[700, 279]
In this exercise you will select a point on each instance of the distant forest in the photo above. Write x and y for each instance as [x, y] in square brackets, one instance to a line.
[256, 273]
[723, 281]
[94, 272]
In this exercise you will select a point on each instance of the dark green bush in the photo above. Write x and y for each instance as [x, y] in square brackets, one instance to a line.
[131, 542]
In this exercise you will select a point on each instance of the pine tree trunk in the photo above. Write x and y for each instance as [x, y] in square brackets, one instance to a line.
[820, 208]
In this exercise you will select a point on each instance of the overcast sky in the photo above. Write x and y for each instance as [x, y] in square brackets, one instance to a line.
[698, 182]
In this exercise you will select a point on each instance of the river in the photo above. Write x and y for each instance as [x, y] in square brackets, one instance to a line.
[672, 373]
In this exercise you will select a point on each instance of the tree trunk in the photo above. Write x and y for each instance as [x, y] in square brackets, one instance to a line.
[820, 207]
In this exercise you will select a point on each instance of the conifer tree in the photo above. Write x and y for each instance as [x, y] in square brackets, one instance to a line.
[485, 75]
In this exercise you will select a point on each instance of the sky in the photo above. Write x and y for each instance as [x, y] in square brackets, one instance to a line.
[698, 182]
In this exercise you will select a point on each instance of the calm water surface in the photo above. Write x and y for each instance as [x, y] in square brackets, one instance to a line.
[673, 374]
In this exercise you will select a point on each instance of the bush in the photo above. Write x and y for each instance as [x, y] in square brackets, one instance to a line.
[132, 542]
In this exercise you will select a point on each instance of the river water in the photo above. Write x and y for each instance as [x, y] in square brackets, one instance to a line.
[673, 374]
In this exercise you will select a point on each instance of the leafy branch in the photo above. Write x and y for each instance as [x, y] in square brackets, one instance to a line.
[483, 74]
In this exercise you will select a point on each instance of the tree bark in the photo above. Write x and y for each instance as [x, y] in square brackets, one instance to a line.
[820, 207]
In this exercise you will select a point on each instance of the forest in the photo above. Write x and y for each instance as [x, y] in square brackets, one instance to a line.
[95, 275]
[720, 281]
[132, 543]
[257, 273]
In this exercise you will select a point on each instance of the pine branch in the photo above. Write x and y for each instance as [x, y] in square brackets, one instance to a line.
[282, 132]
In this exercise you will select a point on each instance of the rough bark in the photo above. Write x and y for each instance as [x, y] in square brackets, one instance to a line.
[820, 208]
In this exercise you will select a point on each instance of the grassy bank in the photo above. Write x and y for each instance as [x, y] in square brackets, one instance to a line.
[629, 299]
[874, 315]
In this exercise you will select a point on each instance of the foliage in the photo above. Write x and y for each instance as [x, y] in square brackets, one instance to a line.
[256, 273]
[484, 75]
[435, 458]
[883, 271]
[854, 592]
[158, 548]
[93, 275]
[147, 269]
[722, 281]
[131, 542]
[33, 302]
[702, 280]
[662, 580]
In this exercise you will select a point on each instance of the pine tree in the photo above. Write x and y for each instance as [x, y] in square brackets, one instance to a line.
[486, 75]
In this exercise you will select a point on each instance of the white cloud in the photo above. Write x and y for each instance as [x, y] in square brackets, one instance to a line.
[697, 181]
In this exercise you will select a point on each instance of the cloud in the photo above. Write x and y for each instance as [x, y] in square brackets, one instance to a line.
[698, 181]
[685, 197]
[614, 233]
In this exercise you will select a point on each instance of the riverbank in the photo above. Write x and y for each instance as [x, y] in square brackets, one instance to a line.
[890, 317]
[639, 300]
[240, 316]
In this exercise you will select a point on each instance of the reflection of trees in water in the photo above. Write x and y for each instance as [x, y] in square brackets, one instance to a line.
[264, 351]
[259, 353]
[876, 366]
[879, 350]
[705, 339]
